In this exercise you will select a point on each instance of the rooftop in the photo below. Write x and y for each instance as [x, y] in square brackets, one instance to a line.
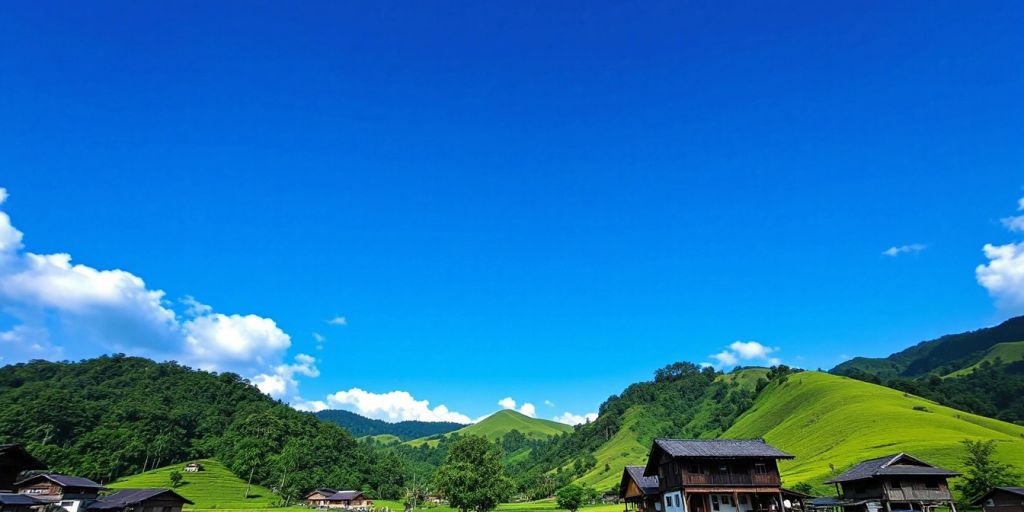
[899, 464]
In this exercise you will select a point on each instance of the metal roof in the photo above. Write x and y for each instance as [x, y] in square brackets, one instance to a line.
[126, 497]
[14, 499]
[64, 481]
[648, 484]
[899, 464]
[720, 448]
[1012, 490]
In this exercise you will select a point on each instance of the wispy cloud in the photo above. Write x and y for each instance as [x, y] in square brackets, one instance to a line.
[338, 320]
[897, 250]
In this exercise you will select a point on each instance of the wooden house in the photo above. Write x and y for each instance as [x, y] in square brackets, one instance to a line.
[13, 461]
[637, 491]
[1002, 499]
[70, 492]
[716, 475]
[330, 498]
[897, 482]
[139, 500]
[193, 467]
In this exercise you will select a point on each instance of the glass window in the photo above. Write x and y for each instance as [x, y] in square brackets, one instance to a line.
[761, 469]
[726, 500]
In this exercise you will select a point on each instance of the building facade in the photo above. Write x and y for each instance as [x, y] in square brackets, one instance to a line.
[330, 498]
[716, 475]
[1002, 499]
[70, 492]
[638, 492]
[897, 482]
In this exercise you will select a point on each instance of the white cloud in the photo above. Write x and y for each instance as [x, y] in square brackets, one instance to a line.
[1003, 275]
[745, 351]
[55, 302]
[528, 409]
[392, 406]
[281, 383]
[896, 250]
[318, 337]
[574, 419]
[549, 403]
[338, 320]
[308, 406]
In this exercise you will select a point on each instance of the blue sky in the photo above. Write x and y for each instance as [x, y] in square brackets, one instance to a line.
[535, 202]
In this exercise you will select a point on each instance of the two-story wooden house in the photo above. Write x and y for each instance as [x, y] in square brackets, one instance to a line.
[897, 482]
[330, 498]
[716, 475]
[1002, 499]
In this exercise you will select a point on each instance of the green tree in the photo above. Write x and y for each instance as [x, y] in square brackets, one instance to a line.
[175, 477]
[574, 496]
[982, 472]
[472, 476]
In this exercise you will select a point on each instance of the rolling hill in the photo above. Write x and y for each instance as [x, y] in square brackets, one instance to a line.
[500, 423]
[825, 419]
[1001, 352]
[361, 426]
[215, 487]
[946, 354]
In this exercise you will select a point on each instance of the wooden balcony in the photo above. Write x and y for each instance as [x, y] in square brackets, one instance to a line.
[730, 479]
[914, 494]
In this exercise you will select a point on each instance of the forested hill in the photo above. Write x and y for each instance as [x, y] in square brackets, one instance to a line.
[361, 426]
[114, 415]
[943, 356]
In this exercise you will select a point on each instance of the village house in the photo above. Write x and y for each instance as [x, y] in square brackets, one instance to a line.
[716, 475]
[897, 482]
[193, 467]
[139, 500]
[330, 498]
[1002, 499]
[70, 492]
[637, 491]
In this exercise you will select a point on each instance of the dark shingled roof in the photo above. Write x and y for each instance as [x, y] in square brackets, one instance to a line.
[64, 481]
[899, 464]
[647, 484]
[127, 497]
[345, 495]
[1013, 490]
[13, 499]
[24, 459]
[720, 448]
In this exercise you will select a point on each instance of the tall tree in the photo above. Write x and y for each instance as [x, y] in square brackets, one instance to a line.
[472, 477]
[982, 471]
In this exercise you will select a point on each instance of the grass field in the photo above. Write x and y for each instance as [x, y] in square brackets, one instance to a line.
[503, 422]
[825, 419]
[1008, 352]
[215, 487]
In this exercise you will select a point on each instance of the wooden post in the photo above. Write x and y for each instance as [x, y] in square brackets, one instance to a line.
[952, 506]
[736, 500]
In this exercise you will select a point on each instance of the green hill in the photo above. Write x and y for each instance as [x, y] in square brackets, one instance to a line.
[500, 423]
[361, 426]
[215, 487]
[825, 419]
[1003, 352]
[950, 353]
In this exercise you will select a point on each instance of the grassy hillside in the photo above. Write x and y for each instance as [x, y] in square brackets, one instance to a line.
[213, 488]
[825, 419]
[502, 422]
[1005, 352]
[631, 443]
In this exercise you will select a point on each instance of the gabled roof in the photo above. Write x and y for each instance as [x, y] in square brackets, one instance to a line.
[1011, 490]
[711, 449]
[127, 497]
[648, 485]
[332, 495]
[14, 454]
[14, 499]
[64, 481]
[899, 464]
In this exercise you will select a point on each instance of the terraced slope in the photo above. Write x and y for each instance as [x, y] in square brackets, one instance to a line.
[826, 419]
[216, 487]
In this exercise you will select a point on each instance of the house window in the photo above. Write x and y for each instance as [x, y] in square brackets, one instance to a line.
[714, 502]
[726, 500]
[896, 484]
[723, 469]
[761, 469]
[931, 484]
[694, 468]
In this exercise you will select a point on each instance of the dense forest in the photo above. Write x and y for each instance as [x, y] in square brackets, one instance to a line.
[360, 426]
[115, 415]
